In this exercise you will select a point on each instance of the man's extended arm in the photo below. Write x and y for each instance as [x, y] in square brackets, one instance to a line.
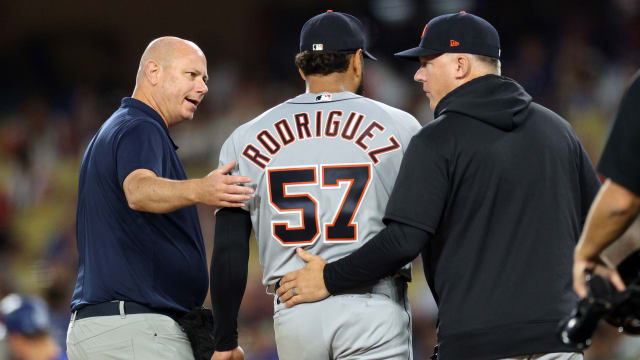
[145, 191]
[385, 253]
[229, 267]
[392, 248]
[613, 210]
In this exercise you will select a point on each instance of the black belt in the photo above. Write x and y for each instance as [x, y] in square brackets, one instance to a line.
[113, 308]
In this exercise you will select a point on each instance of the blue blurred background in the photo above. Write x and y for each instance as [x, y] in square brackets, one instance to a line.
[65, 65]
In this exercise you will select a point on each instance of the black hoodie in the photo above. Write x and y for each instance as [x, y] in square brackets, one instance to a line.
[494, 193]
[503, 186]
[495, 100]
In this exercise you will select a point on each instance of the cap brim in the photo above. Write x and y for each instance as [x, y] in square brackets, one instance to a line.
[368, 55]
[416, 52]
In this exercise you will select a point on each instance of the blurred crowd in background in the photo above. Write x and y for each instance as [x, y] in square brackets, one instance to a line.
[66, 65]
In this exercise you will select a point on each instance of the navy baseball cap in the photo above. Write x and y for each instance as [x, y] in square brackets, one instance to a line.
[456, 33]
[334, 32]
[24, 314]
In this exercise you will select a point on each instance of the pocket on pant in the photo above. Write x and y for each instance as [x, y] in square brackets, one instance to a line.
[117, 350]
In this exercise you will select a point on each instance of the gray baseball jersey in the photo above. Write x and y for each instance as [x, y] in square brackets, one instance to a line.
[322, 167]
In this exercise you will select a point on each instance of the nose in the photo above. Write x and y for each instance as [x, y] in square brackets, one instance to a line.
[202, 87]
[419, 76]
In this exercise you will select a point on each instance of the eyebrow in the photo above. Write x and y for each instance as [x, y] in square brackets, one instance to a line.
[205, 78]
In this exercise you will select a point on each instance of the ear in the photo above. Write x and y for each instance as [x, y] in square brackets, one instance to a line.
[463, 66]
[302, 75]
[152, 71]
[357, 62]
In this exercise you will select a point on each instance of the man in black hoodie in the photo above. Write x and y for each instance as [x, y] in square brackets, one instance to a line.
[493, 193]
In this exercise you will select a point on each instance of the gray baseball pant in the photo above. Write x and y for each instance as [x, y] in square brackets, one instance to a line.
[127, 337]
[371, 323]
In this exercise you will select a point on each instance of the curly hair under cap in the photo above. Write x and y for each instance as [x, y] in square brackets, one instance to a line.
[322, 63]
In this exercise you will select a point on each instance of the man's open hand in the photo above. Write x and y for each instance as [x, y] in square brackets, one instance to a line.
[306, 284]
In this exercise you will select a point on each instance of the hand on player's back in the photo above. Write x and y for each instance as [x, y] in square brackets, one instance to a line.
[308, 282]
[218, 189]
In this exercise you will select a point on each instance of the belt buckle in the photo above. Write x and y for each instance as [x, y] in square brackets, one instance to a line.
[275, 287]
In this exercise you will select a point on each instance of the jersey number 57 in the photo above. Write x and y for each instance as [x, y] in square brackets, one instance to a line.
[342, 228]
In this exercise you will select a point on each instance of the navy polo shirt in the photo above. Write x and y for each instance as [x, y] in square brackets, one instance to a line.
[157, 260]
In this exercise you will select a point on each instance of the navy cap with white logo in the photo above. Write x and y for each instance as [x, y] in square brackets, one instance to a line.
[334, 32]
[456, 33]
[24, 314]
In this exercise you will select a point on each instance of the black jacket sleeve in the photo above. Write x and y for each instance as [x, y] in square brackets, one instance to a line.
[229, 268]
[383, 255]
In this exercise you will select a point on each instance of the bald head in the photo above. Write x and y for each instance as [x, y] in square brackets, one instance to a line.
[165, 50]
[172, 78]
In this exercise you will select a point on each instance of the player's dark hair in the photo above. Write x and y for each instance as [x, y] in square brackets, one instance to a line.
[324, 63]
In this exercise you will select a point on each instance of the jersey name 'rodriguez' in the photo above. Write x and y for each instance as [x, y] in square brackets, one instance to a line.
[330, 125]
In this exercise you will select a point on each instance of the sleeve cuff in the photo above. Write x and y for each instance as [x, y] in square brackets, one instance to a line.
[326, 274]
[227, 345]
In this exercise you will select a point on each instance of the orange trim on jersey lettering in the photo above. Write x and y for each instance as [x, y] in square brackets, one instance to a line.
[351, 134]
[267, 134]
[368, 133]
[284, 132]
[328, 127]
[318, 123]
[254, 155]
[299, 210]
[302, 125]
[373, 154]
[344, 200]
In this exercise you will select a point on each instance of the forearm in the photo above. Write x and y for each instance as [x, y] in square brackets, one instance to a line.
[392, 248]
[613, 210]
[229, 268]
[147, 192]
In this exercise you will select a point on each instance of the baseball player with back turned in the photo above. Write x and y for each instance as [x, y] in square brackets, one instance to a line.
[323, 165]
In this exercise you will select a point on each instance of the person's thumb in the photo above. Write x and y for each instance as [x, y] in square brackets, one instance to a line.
[304, 255]
[226, 168]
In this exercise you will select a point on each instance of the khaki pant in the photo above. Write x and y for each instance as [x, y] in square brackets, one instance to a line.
[137, 336]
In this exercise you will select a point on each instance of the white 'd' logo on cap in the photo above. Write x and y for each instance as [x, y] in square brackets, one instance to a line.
[317, 47]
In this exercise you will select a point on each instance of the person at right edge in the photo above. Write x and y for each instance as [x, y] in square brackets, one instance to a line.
[618, 202]
[493, 193]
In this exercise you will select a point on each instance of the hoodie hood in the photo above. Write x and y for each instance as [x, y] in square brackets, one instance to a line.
[495, 100]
